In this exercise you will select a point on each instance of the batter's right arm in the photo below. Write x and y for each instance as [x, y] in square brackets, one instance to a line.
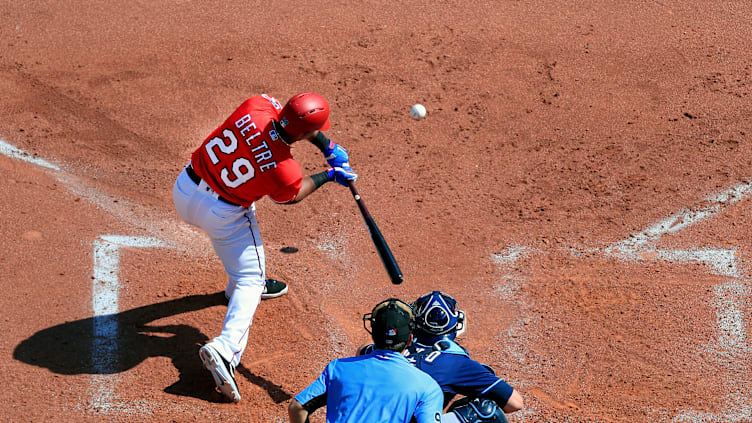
[310, 184]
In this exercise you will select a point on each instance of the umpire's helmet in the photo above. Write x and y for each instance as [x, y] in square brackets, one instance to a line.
[391, 323]
[437, 317]
[304, 112]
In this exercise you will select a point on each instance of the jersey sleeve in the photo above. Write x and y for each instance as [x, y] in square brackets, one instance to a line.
[472, 379]
[430, 407]
[314, 396]
[288, 182]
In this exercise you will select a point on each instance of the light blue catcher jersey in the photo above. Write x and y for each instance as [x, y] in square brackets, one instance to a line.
[378, 387]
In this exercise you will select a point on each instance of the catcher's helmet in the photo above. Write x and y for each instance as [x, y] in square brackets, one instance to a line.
[304, 112]
[437, 317]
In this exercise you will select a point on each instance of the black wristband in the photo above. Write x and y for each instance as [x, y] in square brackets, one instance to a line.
[320, 141]
[320, 179]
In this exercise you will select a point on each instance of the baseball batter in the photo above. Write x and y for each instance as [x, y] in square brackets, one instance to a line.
[487, 397]
[244, 159]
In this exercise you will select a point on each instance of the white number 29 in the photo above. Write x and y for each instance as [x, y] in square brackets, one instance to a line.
[241, 167]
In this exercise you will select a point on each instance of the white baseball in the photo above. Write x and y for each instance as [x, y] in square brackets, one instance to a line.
[418, 112]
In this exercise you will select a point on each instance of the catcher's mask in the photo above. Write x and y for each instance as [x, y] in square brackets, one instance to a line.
[437, 317]
[390, 322]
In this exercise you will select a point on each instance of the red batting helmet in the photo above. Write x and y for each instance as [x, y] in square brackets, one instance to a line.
[304, 112]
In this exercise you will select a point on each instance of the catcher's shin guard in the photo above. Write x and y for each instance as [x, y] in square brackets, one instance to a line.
[480, 410]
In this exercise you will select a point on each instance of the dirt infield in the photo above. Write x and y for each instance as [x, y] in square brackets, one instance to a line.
[580, 185]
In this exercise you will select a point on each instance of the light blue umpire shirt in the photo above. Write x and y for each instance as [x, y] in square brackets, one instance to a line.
[380, 387]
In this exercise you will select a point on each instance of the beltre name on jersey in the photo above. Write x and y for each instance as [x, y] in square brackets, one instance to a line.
[245, 159]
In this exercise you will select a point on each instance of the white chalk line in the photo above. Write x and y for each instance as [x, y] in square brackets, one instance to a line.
[728, 297]
[335, 245]
[177, 235]
[15, 153]
[679, 221]
[105, 283]
[105, 290]
[732, 349]
[733, 354]
[509, 289]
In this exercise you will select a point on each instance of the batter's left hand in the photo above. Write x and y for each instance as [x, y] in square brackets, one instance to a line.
[337, 156]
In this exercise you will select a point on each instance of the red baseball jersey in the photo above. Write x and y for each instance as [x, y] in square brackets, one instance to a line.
[245, 159]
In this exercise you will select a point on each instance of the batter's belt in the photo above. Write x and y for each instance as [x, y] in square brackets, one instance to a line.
[197, 180]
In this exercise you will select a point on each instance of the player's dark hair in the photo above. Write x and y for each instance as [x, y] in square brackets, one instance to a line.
[396, 347]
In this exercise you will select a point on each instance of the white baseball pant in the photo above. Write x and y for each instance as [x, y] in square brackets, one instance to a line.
[234, 233]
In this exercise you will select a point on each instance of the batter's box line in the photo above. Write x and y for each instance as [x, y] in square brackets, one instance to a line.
[731, 334]
[179, 235]
[722, 261]
[105, 287]
[731, 350]
[681, 220]
[509, 289]
[16, 153]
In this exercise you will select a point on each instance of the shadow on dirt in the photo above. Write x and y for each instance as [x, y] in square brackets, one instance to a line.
[116, 343]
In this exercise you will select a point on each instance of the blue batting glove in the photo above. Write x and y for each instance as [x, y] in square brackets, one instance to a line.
[342, 175]
[336, 155]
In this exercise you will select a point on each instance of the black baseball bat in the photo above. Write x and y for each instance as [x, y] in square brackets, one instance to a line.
[395, 274]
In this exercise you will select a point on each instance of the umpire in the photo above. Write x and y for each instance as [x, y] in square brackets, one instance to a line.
[378, 387]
